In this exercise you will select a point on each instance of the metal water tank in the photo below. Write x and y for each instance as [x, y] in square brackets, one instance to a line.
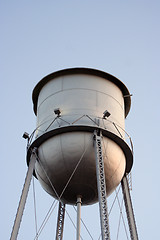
[70, 105]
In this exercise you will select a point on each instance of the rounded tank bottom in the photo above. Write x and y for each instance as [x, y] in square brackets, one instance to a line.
[70, 165]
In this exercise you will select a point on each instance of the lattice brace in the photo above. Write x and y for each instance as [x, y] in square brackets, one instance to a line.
[60, 221]
[101, 188]
[24, 195]
[129, 178]
[129, 209]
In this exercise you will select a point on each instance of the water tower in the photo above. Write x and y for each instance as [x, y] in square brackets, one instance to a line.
[79, 153]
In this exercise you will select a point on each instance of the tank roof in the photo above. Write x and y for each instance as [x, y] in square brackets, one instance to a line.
[89, 71]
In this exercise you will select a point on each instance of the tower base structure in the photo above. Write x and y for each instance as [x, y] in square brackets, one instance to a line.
[71, 105]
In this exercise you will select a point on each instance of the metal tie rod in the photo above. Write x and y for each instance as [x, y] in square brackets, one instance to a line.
[24, 195]
[101, 185]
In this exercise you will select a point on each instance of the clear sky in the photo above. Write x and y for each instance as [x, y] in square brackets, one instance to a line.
[119, 37]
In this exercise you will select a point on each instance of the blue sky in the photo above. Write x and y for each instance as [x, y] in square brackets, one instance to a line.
[40, 37]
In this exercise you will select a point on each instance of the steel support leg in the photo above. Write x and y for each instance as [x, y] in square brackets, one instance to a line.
[79, 203]
[60, 221]
[24, 195]
[129, 209]
[101, 185]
